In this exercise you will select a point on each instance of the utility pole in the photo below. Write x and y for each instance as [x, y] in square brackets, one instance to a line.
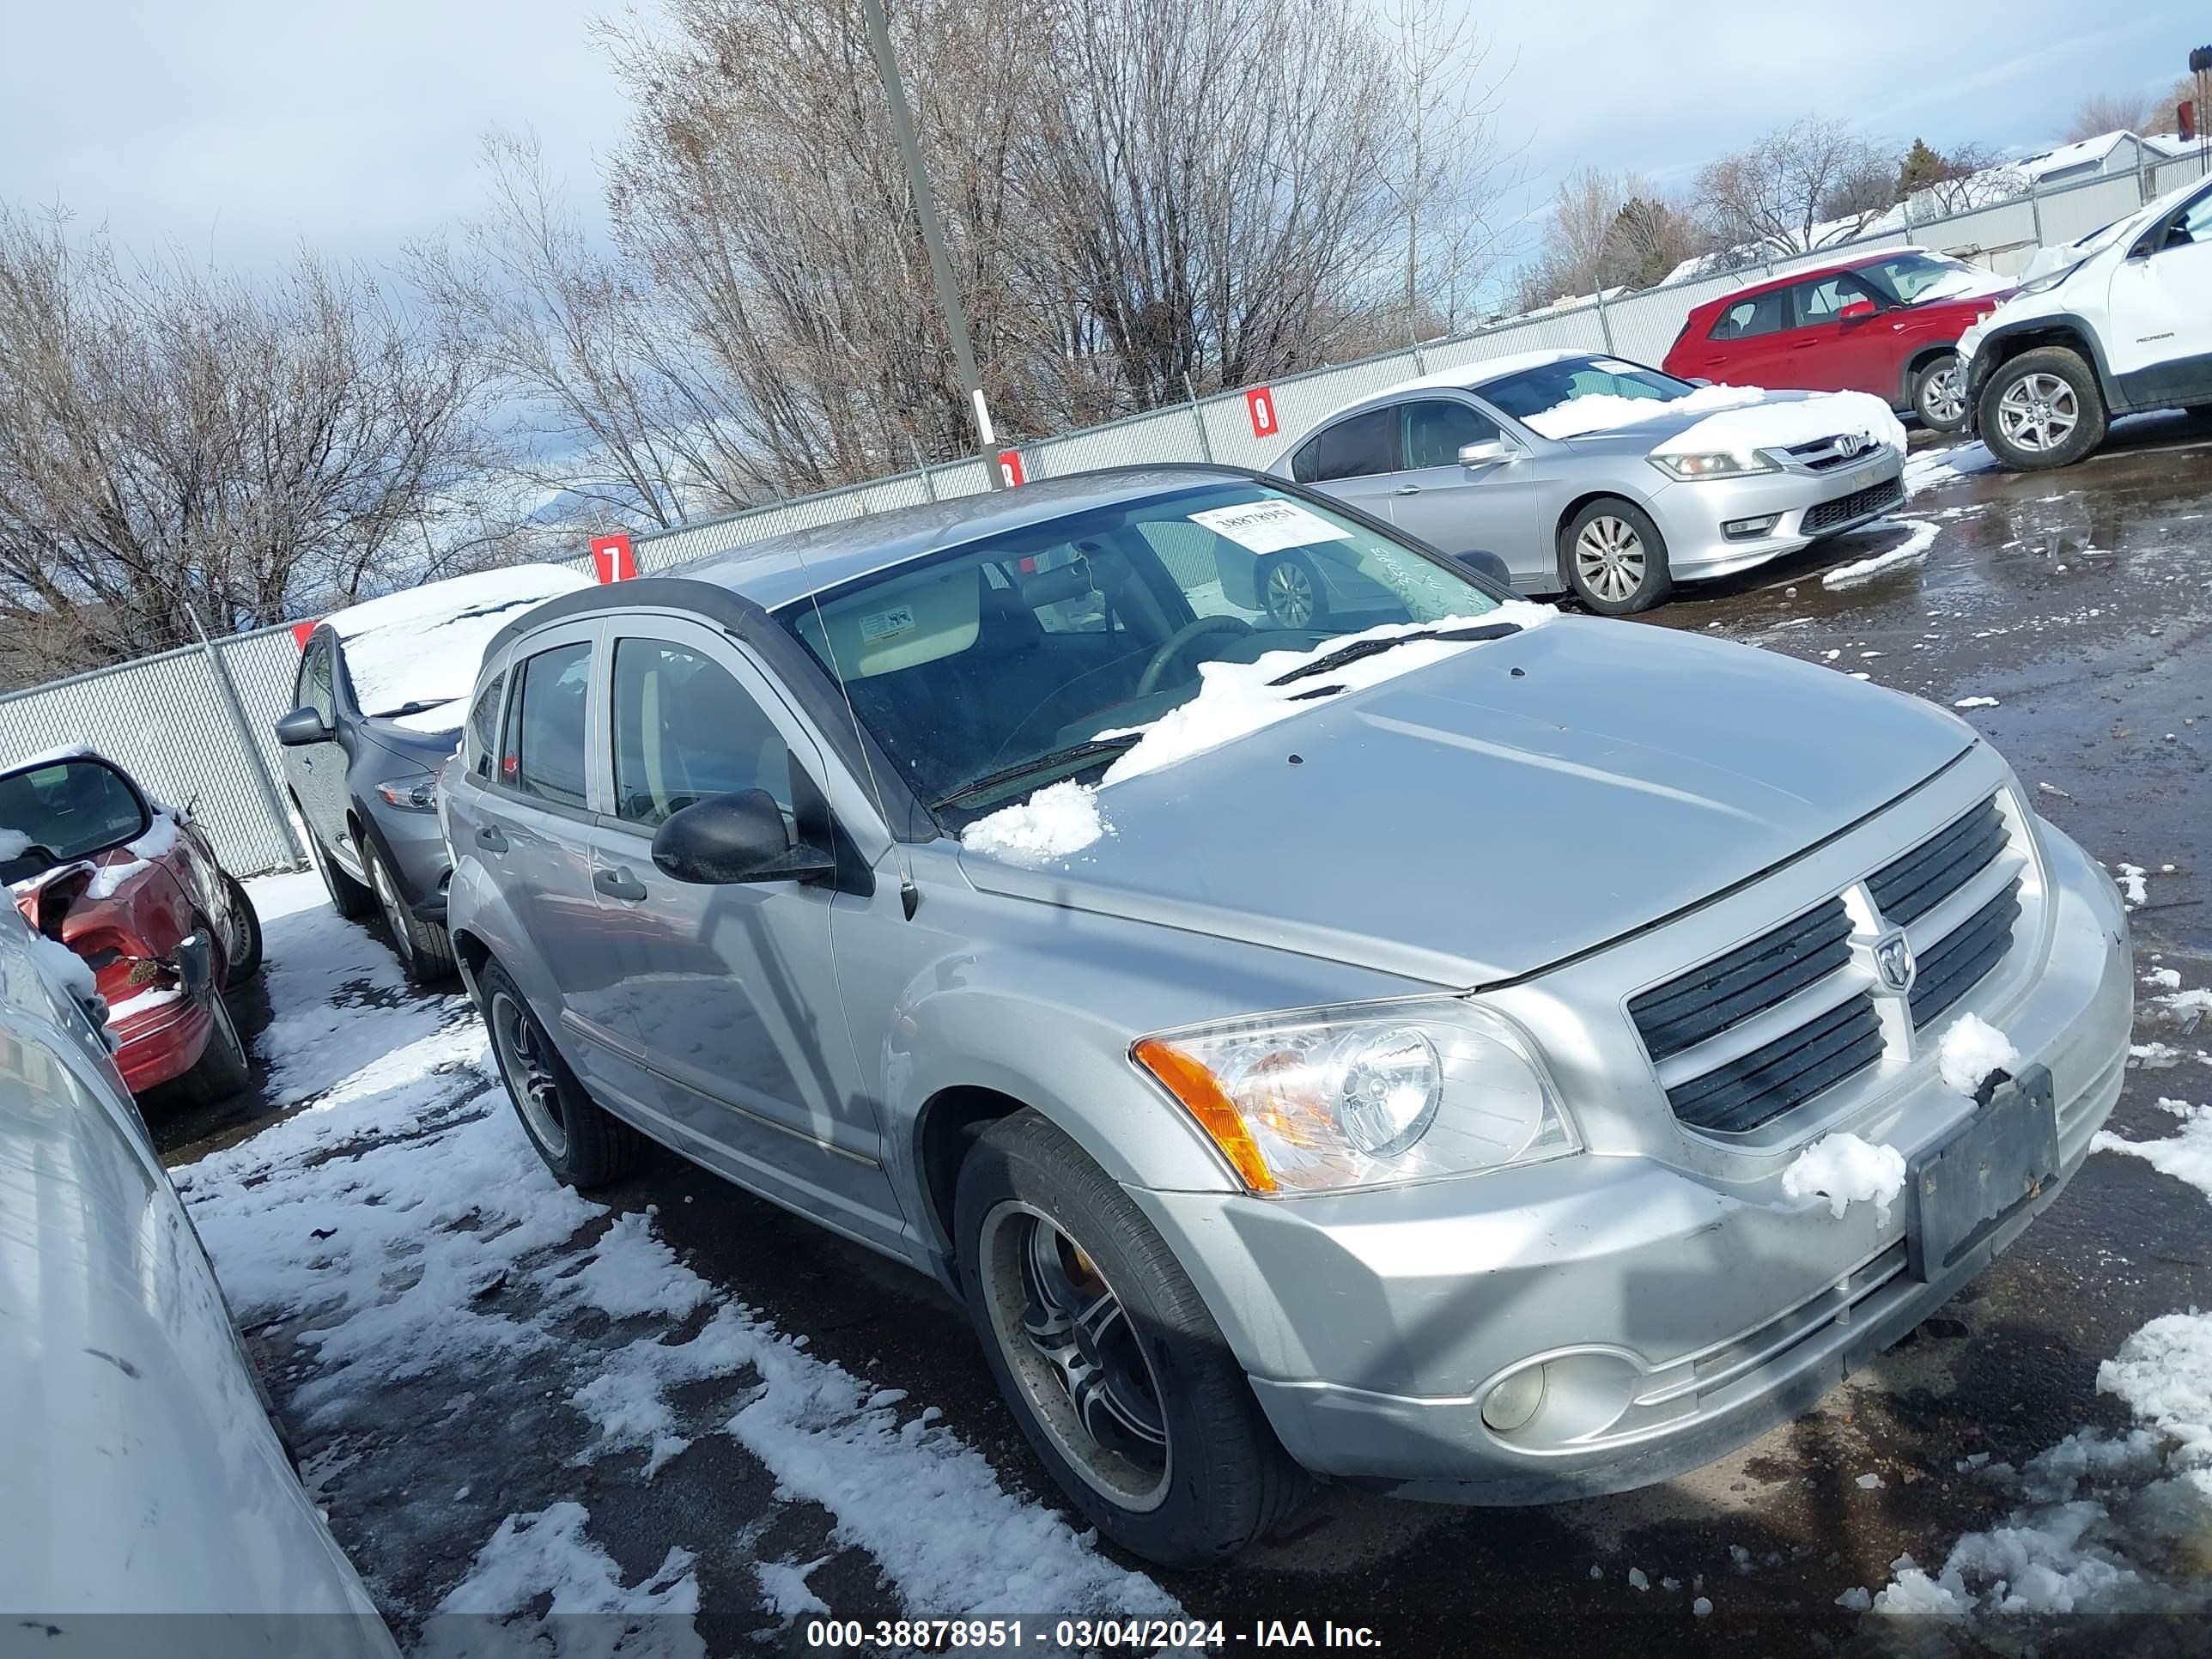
[933, 237]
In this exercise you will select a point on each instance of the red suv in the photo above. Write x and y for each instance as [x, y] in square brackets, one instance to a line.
[1887, 323]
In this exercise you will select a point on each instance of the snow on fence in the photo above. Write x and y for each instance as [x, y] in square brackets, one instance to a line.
[166, 718]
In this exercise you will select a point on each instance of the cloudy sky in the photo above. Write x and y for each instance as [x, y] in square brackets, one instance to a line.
[241, 127]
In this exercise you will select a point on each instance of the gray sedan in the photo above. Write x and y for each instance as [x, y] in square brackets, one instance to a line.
[1591, 473]
[1418, 1054]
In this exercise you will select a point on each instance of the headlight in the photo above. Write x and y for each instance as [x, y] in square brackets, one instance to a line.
[1363, 1097]
[2050, 279]
[415, 794]
[1716, 464]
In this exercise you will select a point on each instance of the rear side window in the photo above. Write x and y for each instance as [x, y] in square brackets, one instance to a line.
[1357, 448]
[1437, 429]
[480, 742]
[1753, 315]
[543, 751]
[686, 731]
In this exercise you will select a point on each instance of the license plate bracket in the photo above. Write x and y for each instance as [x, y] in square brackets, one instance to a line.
[1997, 1160]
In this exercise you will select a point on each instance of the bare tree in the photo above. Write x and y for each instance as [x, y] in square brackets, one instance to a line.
[1607, 230]
[1778, 192]
[2134, 111]
[179, 445]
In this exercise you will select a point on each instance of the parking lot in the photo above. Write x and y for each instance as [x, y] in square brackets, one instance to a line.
[683, 1422]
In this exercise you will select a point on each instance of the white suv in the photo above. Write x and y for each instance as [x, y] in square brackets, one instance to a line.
[2123, 322]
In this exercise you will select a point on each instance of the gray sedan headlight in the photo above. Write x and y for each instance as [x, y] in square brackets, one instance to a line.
[1364, 1096]
[1715, 463]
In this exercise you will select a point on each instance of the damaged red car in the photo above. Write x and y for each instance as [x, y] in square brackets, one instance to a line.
[134, 888]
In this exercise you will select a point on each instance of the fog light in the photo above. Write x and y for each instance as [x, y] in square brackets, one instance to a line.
[1512, 1403]
[1737, 529]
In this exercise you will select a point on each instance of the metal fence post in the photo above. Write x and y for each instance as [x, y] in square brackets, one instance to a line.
[1605, 322]
[928, 484]
[241, 728]
[2035, 205]
[1197, 418]
[2143, 191]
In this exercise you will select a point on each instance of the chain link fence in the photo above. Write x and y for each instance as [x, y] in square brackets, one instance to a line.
[170, 719]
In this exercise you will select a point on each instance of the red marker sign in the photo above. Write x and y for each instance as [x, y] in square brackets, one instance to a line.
[1260, 405]
[302, 633]
[1010, 466]
[612, 558]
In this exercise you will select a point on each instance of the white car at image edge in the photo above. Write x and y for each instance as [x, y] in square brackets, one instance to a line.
[2118, 321]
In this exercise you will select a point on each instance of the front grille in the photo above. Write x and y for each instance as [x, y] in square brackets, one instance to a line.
[1820, 455]
[1782, 1075]
[1875, 498]
[1957, 962]
[1692, 1006]
[1910, 887]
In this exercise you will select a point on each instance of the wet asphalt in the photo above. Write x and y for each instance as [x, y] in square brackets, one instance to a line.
[2081, 600]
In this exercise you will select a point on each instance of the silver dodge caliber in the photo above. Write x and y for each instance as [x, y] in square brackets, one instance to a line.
[1408, 1049]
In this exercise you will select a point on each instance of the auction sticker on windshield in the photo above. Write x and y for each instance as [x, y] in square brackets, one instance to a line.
[1270, 527]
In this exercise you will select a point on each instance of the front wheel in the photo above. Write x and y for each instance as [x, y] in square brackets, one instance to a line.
[2042, 409]
[1290, 592]
[425, 949]
[1114, 1369]
[1616, 558]
[1939, 394]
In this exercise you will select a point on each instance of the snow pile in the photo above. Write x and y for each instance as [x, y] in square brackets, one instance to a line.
[1932, 469]
[542, 1565]
[1975, 703]
[2106, 1525]
[403, 1227]
[1058, 821]
[1602, 412]
[1783, 421]
[1845, 1170]
[108, 880]
[13, 843]
[1971, 1050]
[1913, 549]
[64, 968]
[1234, 700]
[2134, 888]
[2186, 1155]
[425, 645]
[161, 837]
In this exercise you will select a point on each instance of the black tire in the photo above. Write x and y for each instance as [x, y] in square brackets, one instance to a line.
[1291, 592]
[2009, 428]
[425, 949]
[1221, 1479]
[583, 1145]
[246, 956]
[347, 896]
[1939, 397]
[1618, 570]
[223, 1069]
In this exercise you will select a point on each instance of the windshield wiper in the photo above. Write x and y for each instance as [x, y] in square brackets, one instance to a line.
[1084, 750]
[419, 706]
[1362, 648]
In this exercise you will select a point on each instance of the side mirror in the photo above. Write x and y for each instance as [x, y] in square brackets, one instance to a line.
[1487, 565]
[736, 838]
[303, 726]
[1488, 452]
[1857, 311]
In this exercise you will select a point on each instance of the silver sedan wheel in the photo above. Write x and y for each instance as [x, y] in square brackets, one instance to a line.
[1943, 397]
[1075, 1353]
[1610, 558]
[395, 908]
[2038, 413]
[528, 1072]
[1289, 595]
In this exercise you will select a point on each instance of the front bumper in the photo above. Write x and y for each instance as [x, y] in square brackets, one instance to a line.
[1698, 1311]
[412, 846]
[1691, 515]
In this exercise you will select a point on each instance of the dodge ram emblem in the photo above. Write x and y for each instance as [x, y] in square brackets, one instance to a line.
[1893, 960]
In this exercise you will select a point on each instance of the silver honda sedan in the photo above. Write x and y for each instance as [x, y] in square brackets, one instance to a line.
[1596, 474]
[1447, 1054]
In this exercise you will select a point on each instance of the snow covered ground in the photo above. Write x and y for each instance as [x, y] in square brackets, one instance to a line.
[400, 1233]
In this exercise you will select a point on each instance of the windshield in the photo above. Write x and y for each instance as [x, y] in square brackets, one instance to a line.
[1534, 390]
[1912, 279]
[1002, 665]
[70, 810]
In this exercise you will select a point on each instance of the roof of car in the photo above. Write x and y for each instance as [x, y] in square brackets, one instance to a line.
[1464, 377]
[781, 568]
[1813, 273]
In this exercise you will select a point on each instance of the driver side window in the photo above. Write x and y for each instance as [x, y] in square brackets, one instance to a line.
[313, 687]
[1437, 429]
[684, 731]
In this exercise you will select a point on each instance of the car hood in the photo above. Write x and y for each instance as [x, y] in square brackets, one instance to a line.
[407, 739]
[1504, 809]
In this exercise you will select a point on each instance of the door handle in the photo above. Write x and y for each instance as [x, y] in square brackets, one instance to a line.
[619, 883]
[1407, 489]
[491, 840]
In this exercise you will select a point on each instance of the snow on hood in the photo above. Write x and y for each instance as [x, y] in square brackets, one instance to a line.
[425, 644]
[1966, 284]
[1736, 417]
[1234, 700]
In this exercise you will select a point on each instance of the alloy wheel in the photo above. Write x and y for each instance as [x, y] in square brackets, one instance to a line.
[1609, 557]
[1944, 397]
[2038, 413]
[395, 912]
[1076, 1355]
[1289, 598]
[528, 1072]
